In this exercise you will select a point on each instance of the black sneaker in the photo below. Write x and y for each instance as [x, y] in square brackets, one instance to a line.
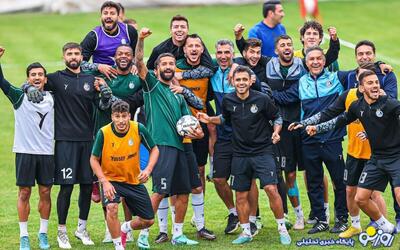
[253, 229]
[319, 227]
[161, 238]
[206, 234]
[340, 226]
[233, 224]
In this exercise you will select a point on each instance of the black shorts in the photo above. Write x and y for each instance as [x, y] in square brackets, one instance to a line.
[72, 159]
[29, 167]
[353, 170]
[223, 154]
[377, 174]
[288, 150]
[171, 173]
[195, 181]
[136, 198]
[200, 147]
[244, 169]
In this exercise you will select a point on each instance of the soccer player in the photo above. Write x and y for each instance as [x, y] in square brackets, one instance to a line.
[270, 27]
[317, 90]
[249, 113]
[34, 148]
[163, 110]
[103, 40]
[75, 98]
[379, 115]
[115, 161]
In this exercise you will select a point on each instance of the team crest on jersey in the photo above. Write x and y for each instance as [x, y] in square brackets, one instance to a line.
[328, 84]
[86, 86]
[131, 85]
[254, 108]
[130, 142]
[379, 113]
[123, 41]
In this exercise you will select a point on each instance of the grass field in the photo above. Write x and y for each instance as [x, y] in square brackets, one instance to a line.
[39, 37]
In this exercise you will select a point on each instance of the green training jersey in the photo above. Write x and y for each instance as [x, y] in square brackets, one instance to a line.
[163, 110]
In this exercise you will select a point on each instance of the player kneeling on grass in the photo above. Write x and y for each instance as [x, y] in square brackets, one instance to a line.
[249, 113]
[115, 161]
[34, 148]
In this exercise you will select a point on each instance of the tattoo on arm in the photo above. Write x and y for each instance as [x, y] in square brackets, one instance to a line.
[139, 53]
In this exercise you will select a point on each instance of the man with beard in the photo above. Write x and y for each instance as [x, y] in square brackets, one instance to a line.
[34, 148]
[249, 112]
[270, 27]
[380, 117]
[163, 110]
[75, 97]
[102, 41]
[315, 91]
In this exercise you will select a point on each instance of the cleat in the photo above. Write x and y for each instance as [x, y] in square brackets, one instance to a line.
[95, 192]
[107, 237]
[129, 237]
[340, 226]
[253, 229]
[242, 239]
[284, 237]
[233, 224]
[63, 241]
[123, 238]
[161, 238]
[259, 223]
[24, 243]
[143, 242]
[84, 237]
[43, 241]
[183, 240]
[350, 232]
[299, 225]
[319, 227]
[206, 234]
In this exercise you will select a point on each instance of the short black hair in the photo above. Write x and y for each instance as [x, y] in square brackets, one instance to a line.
[251, 43]
[124, 45]
[35, 65]
[161, 56]
[120, 106]
[194, 36]
[178, 18]
[366, 65]
[365, 74]
[110, 4]
[366, 43]
[241, 68]
[314, 25]
[71, 45]
[282, 37]
[270, 6]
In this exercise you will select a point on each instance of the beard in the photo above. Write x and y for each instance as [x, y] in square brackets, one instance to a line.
[285, 59]
[128, 65]
[73, 64]
[165, 77]
[105, 25]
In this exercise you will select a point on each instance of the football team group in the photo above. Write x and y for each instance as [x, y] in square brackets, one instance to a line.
[108, 123]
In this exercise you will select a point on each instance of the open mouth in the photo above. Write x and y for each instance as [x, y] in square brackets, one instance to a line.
[180, 35]
[287, 53]
[123, 62]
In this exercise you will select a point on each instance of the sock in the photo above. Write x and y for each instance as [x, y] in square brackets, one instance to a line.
[252, 219]
[118, 244]
[299, 212]
[246, 229]
[23, 228]
[177, 230]
[233, 211]
[126, 227]
[281, 225]
[81, 225]
[145, 232]
[44, 225]
[107, 230]
[198, 209]
[162, 215]
[211, 160]
[62, 228]
[355, 221]
[173, 213]
[383, 223]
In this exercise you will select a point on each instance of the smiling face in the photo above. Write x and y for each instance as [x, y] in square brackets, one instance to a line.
[224, 55]
[166, 68]
[311, 38]
[193, 50]
[365, 53]
[179, 31]
[242, 82]
[252, 55]
[284, 50]
[121, 121]
[370, 87]
[37, 78]
[123, 57]
[109, 18]
[315, 61]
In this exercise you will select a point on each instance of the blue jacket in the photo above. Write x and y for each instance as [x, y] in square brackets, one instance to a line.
[315, 95]
[221, 87]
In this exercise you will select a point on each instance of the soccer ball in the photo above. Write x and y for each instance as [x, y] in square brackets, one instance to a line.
[185, 123]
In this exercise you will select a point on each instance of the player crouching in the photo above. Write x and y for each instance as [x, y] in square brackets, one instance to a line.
[115, 161]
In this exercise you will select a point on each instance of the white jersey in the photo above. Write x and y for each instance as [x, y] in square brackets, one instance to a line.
[34, 126]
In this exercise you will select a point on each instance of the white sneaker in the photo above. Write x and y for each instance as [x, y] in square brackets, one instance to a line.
[299, 225]
[84, 237]
[129, 237]
[107, 237]
[63, 241]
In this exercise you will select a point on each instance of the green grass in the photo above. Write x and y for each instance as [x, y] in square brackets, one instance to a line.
[39, 37]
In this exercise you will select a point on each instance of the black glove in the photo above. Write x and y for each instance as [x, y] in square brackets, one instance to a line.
[105, 93]
[34, 95]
